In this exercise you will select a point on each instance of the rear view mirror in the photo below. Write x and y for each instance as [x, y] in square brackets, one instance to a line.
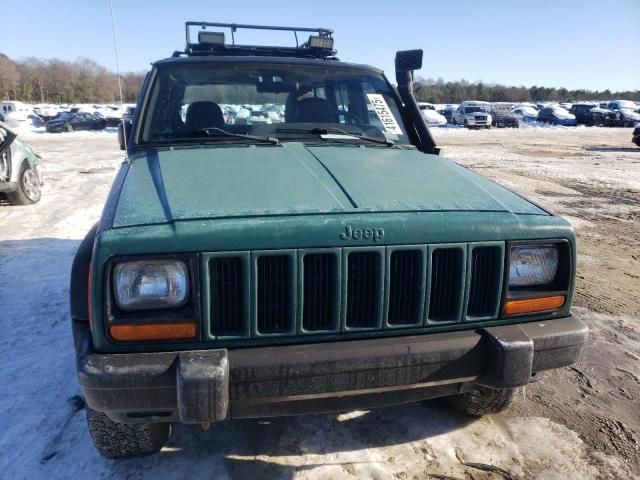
[124, 131]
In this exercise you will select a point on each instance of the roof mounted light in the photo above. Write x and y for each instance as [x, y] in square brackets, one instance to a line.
[317, 41]
[211, 38]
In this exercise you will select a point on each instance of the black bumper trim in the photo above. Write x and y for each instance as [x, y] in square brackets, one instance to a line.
[211, 385]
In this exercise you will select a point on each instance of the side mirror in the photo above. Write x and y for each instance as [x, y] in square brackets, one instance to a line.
[124, 132]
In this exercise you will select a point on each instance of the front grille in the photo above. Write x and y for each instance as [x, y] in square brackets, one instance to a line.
[405, 287]
[363, 289]
[446, 284]
[226, 295]
[306, 292]
[485, 281]
[274, 293]
[319, 292]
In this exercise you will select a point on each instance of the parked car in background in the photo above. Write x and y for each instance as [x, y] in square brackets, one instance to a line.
[431, 117]
[448, 112]
[15, 114]
[129, 112]
[525, 113]
[590, 114]
[473, 114]
[20, 178]
[636, 135]
[76, 121]
[556, 115]
[502, 117]
[628, 111]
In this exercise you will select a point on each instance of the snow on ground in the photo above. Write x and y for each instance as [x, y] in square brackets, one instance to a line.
[42, 427]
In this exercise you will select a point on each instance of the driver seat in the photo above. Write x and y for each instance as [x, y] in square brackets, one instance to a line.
[203, 115]
[315, 110]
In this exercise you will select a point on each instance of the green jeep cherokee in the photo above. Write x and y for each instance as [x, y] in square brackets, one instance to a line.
[284, 239]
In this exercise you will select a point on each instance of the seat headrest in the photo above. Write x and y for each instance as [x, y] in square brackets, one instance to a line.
[204, 115]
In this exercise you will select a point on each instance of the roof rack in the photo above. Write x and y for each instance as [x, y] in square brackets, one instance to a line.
[319, 44]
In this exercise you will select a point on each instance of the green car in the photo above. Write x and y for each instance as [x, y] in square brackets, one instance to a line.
[322, 258]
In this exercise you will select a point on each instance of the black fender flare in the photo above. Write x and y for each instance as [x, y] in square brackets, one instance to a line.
[79, 287]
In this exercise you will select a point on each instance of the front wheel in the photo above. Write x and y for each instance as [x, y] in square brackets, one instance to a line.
[68, 128]
[482, 401]
[28, 190]
[120, 440]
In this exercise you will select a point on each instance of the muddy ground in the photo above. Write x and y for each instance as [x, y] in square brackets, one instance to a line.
[592, 177]
[582, 422]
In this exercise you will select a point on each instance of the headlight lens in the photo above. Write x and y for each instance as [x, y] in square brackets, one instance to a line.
[151, 284]
[532, 266]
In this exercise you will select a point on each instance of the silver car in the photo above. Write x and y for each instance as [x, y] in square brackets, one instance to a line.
[20, 178]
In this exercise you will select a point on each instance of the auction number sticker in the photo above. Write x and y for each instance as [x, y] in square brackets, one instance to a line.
[384, 113]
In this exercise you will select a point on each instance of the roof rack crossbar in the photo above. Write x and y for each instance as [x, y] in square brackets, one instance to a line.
[196, 48]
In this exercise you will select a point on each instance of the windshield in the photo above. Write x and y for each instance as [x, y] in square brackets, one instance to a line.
[476, 109]
[202, 102]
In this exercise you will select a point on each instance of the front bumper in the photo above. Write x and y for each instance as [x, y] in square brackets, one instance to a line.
[211, 385]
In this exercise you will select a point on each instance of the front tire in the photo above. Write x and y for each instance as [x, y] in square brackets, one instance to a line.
[120, 440]
[482, 401]
[28, 190]
[68, 128]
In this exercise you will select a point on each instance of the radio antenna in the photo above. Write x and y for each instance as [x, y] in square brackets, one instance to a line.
[115, 49]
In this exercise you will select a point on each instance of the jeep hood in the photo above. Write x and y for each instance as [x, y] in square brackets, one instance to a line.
[201, 182]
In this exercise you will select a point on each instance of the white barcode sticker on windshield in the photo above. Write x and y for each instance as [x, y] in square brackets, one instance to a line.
[384, 113]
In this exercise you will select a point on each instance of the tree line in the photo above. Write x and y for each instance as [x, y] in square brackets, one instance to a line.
[35, 80]
[439, 91]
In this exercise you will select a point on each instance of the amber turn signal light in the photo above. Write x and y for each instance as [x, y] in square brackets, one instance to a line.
[154, 331]
[533, 305]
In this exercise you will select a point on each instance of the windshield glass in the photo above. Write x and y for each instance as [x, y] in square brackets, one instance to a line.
[476, 109]
[194, 102]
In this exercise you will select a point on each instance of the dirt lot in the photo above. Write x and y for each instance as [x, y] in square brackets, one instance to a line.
[581, 422]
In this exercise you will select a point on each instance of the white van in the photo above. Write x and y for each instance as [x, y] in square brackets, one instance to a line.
[15, 113]
[473, 114]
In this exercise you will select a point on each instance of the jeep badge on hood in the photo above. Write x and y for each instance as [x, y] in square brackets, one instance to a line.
[351, 233]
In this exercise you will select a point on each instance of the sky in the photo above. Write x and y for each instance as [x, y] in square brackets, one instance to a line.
[552, 43]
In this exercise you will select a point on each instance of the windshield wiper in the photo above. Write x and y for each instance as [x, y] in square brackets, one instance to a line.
[220, 131]
[327, 130]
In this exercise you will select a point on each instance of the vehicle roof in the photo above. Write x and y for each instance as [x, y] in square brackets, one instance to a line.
[200, 59]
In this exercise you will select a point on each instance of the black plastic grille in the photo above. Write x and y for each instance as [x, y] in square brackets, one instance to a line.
[405, 284]
[446, 284]
[319, 292]
[485, 282]
[274, 294]
[227, 296]
[363, 289]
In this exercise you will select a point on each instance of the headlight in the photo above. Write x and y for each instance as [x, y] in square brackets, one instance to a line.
[532, 266]
[151, 284]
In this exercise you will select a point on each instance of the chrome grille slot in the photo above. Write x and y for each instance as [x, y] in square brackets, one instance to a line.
[486, 277]
[274, 293]
[446, 284]
[363, 289]
[319, 291]
[405, 287]
[227, 296]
